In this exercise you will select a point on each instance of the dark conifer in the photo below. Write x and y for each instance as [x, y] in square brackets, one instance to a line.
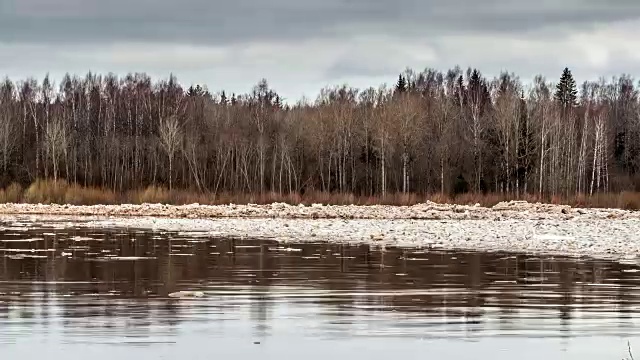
[401, 85]
[566, 90]
[223, 98]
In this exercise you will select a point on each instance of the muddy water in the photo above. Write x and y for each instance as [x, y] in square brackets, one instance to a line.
[72, 293]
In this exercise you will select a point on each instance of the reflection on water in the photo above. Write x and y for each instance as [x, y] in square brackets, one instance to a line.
[74, 287]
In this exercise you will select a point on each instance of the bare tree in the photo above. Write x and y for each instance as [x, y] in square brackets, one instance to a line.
[598, 169]
[406, 132]
[507, 114]
[9, 136]
[171, 141]
[125, 133]
[56, 141]
[475, 98]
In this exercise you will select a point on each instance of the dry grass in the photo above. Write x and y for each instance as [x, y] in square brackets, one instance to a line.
[11, 194]
[61, 192]
[628, 200]
[77, 195]
[46, 192]
[152, 194]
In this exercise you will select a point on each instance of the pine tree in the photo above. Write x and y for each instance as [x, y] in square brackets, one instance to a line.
[566, 90]
[401, 85]
[475, 87]
[460, 90]
[195, 91]
[223, 98]
[277, 104]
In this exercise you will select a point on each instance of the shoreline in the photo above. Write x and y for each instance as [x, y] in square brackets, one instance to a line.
[514, 227]
[424, 211]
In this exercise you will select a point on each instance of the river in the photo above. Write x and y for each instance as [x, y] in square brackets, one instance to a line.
[110, 294]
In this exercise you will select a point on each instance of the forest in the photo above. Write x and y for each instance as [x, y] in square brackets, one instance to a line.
[432, 132]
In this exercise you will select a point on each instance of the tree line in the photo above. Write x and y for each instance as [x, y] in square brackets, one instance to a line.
[431, 132]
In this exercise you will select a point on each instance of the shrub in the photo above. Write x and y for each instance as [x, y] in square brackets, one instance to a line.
[11, 194]
[153, 195]
[46, 192]
[460, 186]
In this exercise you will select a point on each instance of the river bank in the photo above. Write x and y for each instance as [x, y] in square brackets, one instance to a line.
[510, 227]
[423, 211]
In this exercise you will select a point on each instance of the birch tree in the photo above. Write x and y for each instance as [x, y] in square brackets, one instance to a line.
[507, 116]
[129, 131]
[56, 141]
[9, 135]
[171, 141]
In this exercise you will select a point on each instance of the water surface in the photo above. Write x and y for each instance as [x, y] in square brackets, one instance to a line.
[105, 293]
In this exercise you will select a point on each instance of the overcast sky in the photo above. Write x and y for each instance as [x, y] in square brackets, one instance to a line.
[303, 45]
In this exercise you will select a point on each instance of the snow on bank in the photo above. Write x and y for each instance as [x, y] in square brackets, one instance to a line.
[617, 239]
[428, 211]
[513, 227]
[610, 239]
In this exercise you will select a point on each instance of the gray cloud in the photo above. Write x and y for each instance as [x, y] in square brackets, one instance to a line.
[303, 45]
[217, 22]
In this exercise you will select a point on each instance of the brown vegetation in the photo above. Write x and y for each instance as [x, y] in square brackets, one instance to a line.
[448, 136]
[61, 192]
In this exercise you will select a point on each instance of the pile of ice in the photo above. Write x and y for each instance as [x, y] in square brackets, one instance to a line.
[428, 211]
[603, 238]
[511, 226]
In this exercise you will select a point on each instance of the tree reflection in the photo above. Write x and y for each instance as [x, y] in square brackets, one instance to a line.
[118, 282]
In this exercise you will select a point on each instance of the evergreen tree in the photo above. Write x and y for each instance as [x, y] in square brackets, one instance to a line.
[460, 90]
[195, 91]
[223, 98]
[566, 90]
[460, 185]
[401, 85]
[477, 91]
[475, 87]
[278, 102]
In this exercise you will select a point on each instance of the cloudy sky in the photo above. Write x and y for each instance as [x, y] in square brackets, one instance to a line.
[303, 45]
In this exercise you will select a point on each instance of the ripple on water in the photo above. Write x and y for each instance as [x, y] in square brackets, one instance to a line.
[95, 287]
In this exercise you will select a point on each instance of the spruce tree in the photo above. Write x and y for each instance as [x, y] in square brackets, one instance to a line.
[460, 90]
[278, 102]
[566, 90]
[195, 91]
[223, 98]
[401, 85]
[475, 87]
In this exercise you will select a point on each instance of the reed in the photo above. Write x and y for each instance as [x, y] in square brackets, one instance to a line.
[62, 192]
